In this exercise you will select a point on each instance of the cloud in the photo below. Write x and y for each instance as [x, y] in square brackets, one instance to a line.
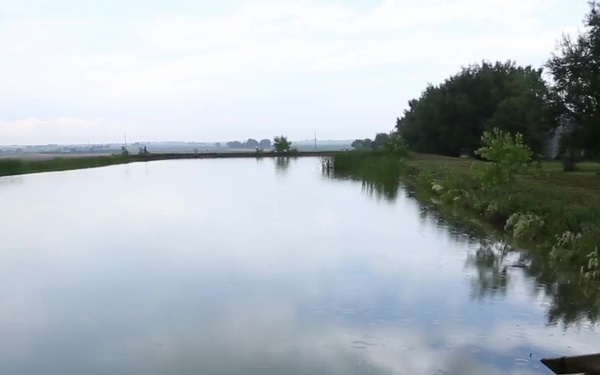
[85, 64]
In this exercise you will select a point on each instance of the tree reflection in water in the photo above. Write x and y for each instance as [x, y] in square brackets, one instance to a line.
[282, 163]
[572, 300]
[492, 276]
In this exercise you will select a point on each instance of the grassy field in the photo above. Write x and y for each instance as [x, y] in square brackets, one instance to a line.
[580, 187]
[10, 167]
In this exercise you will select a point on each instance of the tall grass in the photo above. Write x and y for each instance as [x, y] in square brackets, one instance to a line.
[372, 164]
[378, 171]
[9, 167]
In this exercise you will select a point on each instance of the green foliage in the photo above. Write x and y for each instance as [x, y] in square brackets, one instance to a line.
[380, 140]
[507, 156]
[575, 70]
[395, 145]
[525, 226]
[425, 178]
[362, 144]
[451, 117]
[281, 144]
[580, 248]
[392, 144]
[378, 171]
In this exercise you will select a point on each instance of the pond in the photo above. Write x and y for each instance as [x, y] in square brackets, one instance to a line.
[265, 266]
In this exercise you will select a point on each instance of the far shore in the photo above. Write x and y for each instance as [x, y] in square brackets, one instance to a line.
[163, 156]
[19, 164]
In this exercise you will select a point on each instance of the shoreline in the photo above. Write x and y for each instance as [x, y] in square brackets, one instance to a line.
[14, 165]
[550, 210]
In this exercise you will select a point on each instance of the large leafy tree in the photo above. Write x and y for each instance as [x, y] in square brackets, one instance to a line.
[450, 118]
[575, 69]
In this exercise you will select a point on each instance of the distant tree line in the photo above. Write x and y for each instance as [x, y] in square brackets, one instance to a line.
[250, 143]
[367, 143]
[450, 118]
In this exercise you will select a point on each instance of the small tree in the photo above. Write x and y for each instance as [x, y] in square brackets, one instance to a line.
[396, 145]
[281, 144]
[507, 156]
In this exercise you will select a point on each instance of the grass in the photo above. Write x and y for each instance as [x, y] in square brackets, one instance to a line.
[367, 165]
[549, 181]
[558, 211]
[10, 167]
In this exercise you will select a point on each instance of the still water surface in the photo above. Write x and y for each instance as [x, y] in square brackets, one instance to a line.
[261, 267]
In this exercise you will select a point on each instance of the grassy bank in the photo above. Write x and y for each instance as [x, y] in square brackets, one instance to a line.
[557, 212]
[10, 167]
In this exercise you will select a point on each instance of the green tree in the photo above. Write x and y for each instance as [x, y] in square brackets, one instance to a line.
[575, 70]
[507, 155]
[380, 140]
[281, 144]
[450, 118]
[395, 145]
[357, 144]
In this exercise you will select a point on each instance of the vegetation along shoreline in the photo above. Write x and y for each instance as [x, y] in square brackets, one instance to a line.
[501, 141]
[15, 166]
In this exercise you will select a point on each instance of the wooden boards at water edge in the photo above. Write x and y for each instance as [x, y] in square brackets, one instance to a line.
[584, 364]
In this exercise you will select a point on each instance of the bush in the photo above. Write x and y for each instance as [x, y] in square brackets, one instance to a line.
[507, 155]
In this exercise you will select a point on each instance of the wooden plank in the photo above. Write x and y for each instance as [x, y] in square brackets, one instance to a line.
[584, 364]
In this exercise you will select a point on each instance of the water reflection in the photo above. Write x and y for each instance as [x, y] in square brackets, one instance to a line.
[489, 261]
[385, 188]
[10, 180]
[282, 164]
[569, 299]
[178, 270]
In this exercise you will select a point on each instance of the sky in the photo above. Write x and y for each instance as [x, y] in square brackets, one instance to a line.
[198, 70]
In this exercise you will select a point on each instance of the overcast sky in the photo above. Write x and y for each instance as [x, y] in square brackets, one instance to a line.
[76, 71]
